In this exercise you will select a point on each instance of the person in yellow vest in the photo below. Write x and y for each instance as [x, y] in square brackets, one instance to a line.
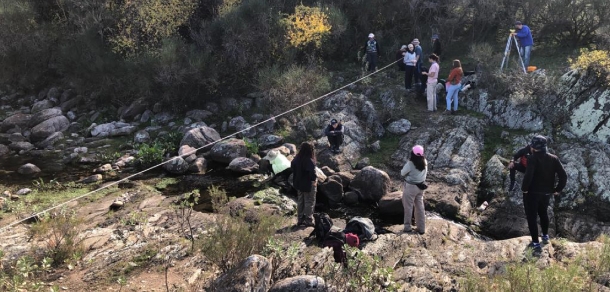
[280, 165]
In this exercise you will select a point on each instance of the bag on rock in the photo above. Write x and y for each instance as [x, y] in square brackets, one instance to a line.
[362, 227]
[322, 225]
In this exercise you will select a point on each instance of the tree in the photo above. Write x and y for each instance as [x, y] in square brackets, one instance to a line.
[574, 22]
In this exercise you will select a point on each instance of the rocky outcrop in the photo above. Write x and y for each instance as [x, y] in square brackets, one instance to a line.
[227, 150]
[371, 184]
[113, 129]
[253, 274]
[200, 137]
[48, 127]
[41, 105]
[505, 112]
[399, 127]
[243, 165]
[44, 115]
[332, 189]
[300, 284]
[198, 115]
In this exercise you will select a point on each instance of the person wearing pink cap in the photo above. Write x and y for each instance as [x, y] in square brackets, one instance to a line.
[414, 173]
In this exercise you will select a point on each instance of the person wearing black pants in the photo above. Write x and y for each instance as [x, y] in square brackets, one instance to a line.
[519, 163]
[410, 61]
[372, 52]
[538, 186]
[334, 133]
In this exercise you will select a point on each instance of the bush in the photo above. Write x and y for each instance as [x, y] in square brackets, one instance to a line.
[60, 236]
[25, 274]
[231, 239]
[219, 198]
[596, 61]
[150, 154]
[286, 89]
[307, 26]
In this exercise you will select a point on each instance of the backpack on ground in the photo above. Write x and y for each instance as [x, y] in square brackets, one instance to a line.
[336, 240]
[363, 227]
[322, 225]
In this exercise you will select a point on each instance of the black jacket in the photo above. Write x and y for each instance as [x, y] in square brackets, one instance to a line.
[523, 152]
[436, 48]
[337, 131]
[304, 173]
[540, 174]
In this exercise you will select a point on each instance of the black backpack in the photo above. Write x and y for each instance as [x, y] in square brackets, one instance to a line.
[322, 226]
[336, 240]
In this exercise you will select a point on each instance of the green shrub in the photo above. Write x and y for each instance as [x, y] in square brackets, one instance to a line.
[25, 274]
[283, 257]
[150, 154]
[252, 146]
[231, 239]
[60, 236]
[219, 198]
[286, 89]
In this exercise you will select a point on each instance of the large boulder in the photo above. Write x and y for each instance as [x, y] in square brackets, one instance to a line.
[176, 166]
[21, 146]
[71, 103]
[305, 283]
[141, 136]
[198, 115]
[200, 137]
[243, 165]
[44, 115]
[188, 153]
[48, 127]
[332, 189]
[253, 274]
[17, 120]
[3, 150]
[270, 141]
[41, 105]
[371, 183]
[136, 108]
[227, 150]
[391, 205]
[28, 169]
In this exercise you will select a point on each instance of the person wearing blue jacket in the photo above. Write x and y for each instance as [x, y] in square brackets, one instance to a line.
[526, 42]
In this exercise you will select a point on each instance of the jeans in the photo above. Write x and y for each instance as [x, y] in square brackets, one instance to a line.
[452, 95]
[525, 54]
[413, 198]
[372, 59]
[535, 205]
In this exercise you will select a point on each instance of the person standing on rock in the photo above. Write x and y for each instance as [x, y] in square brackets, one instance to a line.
[432, 75]
[539, 183]
[372, 52]
[414, 173]
[410, 62]
[526, 41]
[418, 66]
[453, 87]
[519, 163]
[305, 182]
[334, 133]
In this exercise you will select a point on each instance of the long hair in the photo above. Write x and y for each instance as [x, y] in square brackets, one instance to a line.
[419, 161]
[306, 151]
[433, 57]
[457, 63]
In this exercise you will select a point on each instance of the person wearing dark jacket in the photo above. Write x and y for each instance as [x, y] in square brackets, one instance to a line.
[305, 182]
[372, 52]
[436, 45]
[399, 56]
[519, 163]
[334, 133]
[538, 185]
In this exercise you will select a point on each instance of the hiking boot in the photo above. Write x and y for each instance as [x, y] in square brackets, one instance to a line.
[536, 249]
[545, 239]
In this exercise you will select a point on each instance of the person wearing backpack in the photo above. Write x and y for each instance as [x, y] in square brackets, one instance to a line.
[414, 173]
[544, 177]
[519, 163]
[305, 181]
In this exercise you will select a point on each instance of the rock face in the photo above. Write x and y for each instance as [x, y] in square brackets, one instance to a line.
[48, 127]
[200, 137]
[371, 184]
[226, 151]
[28, 169]
[300, 284]
[399, 127]
[505, 112]
[176, 166]
[243, 165]
[589, 103]
[253, 274]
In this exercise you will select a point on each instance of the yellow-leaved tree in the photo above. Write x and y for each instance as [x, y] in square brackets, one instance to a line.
[596, 60]
[141, 25]
[308, 25]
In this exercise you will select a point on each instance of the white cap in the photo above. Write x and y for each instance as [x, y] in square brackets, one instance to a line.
[371, 35]
[271, 155]
[404, 47]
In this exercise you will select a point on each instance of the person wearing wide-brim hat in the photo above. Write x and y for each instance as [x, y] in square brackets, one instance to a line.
[280, 165]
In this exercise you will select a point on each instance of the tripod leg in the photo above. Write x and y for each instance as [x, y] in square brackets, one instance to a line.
[506, 54]
[520, 57]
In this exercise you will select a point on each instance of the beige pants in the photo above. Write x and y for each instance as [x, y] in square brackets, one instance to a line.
[431, 96]
[306, 203]
[412, 197]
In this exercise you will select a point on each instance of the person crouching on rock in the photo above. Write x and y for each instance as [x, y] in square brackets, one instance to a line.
[279, 164]
[305, 182]
[414, 173]
[334, 132]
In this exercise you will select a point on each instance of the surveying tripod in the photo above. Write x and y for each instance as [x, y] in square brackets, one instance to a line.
[511, 39]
